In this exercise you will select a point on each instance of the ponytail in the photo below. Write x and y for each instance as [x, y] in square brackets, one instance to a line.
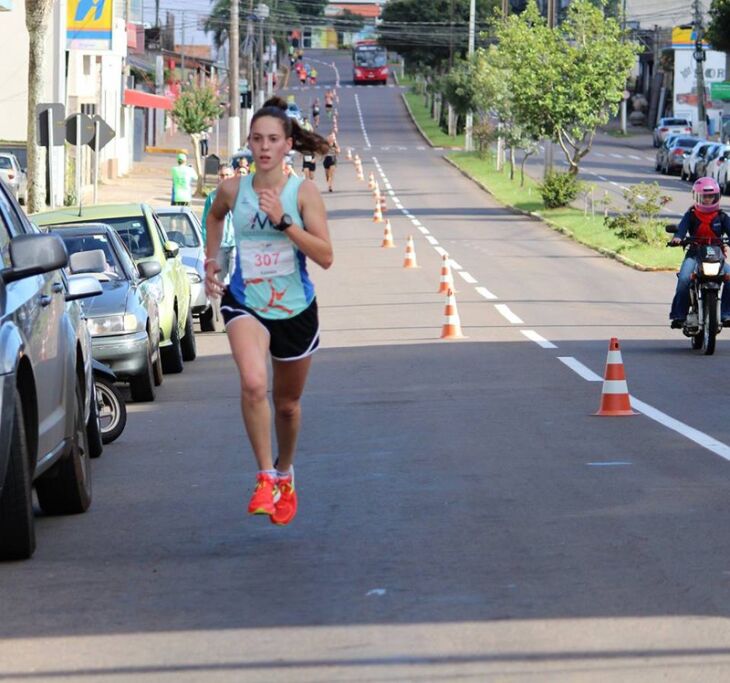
[303, 140]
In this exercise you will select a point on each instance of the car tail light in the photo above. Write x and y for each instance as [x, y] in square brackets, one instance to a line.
[663, 130]
[11, 176]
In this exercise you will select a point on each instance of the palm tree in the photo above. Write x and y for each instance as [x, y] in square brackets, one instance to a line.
[37, 13]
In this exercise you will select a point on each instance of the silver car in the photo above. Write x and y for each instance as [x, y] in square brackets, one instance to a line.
[124, 321]
[183, 226]
[670, 125]
[14, 176]
[45, 381]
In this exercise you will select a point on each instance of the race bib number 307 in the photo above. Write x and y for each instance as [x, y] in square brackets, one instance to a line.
[262, 259]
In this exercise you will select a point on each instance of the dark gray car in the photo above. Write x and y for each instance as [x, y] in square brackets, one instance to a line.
[124, 321]
[672, 153]
[45, 381]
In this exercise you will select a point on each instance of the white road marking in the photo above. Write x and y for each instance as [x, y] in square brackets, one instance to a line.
[467, 277]
[633, 156]
[391, 193]
[415, 222]
[602, 178]
[650, 158]
[362, 122]
[432, 240]
[613, 463]
[504, 310]
[599, 154]
[613, 182]
[483, 291]
[695, 435]
[441, 251]
[454, 265]
[617, 156]
[423, 230]
[541, 341]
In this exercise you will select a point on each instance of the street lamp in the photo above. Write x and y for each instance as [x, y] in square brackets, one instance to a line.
[261, 11]
[699, 57]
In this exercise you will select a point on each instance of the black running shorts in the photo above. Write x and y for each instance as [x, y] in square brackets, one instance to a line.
[329, 161]
[311, 165]
[290, 338]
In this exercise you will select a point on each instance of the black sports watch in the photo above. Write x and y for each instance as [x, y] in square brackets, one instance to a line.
[285, 222]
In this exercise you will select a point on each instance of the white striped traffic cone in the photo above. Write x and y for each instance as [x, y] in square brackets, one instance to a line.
[388, 242]
[615, 400]
[447, 279]
[452, 324]
[410, 258]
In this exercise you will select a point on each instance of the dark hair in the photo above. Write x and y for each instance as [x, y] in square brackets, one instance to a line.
[303, 140]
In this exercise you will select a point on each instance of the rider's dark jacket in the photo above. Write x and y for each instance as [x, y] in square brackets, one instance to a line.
[690, 223]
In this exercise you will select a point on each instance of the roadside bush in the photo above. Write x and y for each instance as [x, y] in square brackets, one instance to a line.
[559, 189]
[640, 223]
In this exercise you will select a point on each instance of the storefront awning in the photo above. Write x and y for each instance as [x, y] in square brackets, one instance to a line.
[139, 98]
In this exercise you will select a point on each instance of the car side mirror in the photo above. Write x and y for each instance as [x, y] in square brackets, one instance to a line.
[148, 269]
[33, 255]
[82, 287]
[172, 249]
[92, 261]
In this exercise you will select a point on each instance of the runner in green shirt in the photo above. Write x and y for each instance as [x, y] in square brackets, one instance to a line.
[183, 177]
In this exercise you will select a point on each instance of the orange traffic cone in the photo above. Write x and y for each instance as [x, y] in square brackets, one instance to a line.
[447, 279]
[388, 237]
[615, 400]
[410, 257]
[452, 325]
[358, 171]
[383, 205]
[349, 154]
[378, 215]
[371, 181]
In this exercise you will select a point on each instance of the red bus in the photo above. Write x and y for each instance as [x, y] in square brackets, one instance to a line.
[370, 63]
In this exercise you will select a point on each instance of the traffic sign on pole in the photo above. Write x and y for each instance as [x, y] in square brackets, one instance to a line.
[50, 125]
[79, 129]
[106, 133]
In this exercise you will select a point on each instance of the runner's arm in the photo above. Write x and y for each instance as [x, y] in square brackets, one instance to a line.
[225, 196]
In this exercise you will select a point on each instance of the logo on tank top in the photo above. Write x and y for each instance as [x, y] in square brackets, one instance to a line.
[258, 222]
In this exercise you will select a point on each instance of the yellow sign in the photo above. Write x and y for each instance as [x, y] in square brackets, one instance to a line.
[684, 37]
[89, 24]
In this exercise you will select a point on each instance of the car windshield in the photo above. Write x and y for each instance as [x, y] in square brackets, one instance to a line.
[76, 243]
[687, 143]
[370, 58]
[5, 162]
[135, 233]
[675, 122]
[179, 228]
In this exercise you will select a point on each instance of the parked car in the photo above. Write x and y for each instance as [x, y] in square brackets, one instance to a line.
[183, 226]
[145, 237]
[672, 153]
[14, 176]
[713, 151]
[46, 389]
[690, 161]
[124, 321]
[670, 126]
[713, 165]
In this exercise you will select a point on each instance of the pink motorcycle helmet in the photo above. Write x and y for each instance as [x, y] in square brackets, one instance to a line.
[706, 195]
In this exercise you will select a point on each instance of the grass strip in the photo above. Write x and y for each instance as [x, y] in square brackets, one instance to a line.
[430, 127]
[588, 230]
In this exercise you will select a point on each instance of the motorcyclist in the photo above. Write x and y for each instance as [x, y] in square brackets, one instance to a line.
[705, 222]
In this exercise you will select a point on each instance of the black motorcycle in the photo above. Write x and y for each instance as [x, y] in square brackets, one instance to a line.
[110, 406]
[703, 322]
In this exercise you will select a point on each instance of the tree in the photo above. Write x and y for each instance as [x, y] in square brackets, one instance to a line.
[194, 111]
[36, 21]
[718, 31]
[565, 82]
[423, 30]
[283, 15]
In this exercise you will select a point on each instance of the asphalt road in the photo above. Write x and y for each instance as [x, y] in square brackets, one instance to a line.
[463, 516]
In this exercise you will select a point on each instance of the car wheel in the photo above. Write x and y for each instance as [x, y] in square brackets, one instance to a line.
[657, 165]
[17, 526]
[207, 320]
[157, 368]
[142, 386]
[189, 347]
[66, 488]
[96, 445]
[172, 360]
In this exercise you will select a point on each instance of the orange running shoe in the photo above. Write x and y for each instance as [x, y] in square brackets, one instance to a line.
[285, 507]
[262, 500]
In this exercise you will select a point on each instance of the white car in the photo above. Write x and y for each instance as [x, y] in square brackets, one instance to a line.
[689, 166]
[183, 226]
[717, 161]
[671, 126]
[14, 176]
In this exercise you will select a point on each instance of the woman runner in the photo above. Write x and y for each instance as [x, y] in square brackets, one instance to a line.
[330, 160]
[269, 308]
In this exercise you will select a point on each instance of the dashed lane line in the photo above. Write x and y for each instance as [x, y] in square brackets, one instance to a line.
[467, 277]
[483, 291]
[538, 339]
[505, 311]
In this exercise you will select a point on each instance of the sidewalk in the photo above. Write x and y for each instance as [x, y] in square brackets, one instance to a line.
[150, 180]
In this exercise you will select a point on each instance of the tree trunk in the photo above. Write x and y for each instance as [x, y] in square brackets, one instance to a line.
[36, 21]
[195, 137]
[522, 168]
[512, 162]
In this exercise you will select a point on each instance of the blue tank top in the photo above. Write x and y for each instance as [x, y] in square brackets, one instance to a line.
[270, 275]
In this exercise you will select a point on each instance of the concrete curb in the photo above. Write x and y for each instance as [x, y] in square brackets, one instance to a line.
[413, 119]
[535, 216]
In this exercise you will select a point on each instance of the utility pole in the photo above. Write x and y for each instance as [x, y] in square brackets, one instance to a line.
[551, 22]
[699, 55]
[182, 50]
[234, 104]
[624, 104]
[469, 115]
[505, 8]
